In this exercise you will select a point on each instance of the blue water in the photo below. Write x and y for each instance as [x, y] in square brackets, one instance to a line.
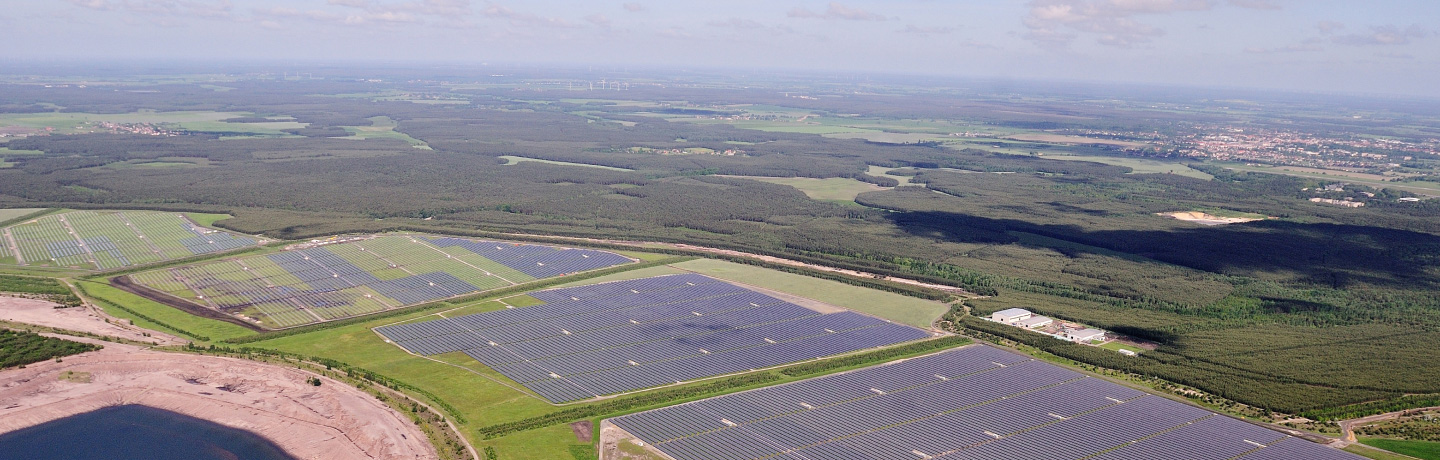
[135, 432]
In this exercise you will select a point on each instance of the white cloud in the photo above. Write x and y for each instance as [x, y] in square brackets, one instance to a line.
[1383, 35]
[598, 19]
[747, 25]
[926, 31]
[836, 11]
[1329, 27]
[516, 17]
[1056, 23]
[173, 8]
[1257, 4]
[633, 7]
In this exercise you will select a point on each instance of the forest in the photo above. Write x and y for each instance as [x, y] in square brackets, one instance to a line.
[1311, 286]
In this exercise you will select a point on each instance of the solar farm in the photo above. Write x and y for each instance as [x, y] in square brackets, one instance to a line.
[366, 275]
[971, 403]
[104, 240]
[616, 337]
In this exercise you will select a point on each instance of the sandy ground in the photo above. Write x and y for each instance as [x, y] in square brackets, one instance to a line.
[82, 319]
[1206, 219]
[331, 421]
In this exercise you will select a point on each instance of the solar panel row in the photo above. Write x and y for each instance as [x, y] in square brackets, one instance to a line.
[616, 337]
[972, 403]
[534, 260]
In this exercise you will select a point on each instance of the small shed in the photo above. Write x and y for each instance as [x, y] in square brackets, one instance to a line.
[1084, 335]
[1034, 322]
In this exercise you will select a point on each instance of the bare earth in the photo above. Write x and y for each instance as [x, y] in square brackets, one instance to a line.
[1206, 219]
[331, 421]
[82, 319]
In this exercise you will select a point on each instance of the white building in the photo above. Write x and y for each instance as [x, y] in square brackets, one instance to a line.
[1035, 322]
[1084, 335]
[1011, 315]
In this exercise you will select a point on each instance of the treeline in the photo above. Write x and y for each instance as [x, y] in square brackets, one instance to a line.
[875, 357]
[1406, 402]
[1266, 391]
[18, 348]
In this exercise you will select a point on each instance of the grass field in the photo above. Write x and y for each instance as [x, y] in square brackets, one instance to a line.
[7, 214]
[891, 306]
[1422, 188]
[1424, 450]
[111, 239]
[176, 319]
[830, 189]
[382, 127]
[514, 160]
[1117, 346]
[1375, 454]
[79, 122]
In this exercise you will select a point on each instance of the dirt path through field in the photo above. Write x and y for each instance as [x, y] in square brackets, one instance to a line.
[1347, 427]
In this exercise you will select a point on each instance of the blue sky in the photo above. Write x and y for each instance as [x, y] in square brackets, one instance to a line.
[1308, 45]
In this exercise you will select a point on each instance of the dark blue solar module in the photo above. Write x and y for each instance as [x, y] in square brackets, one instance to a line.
[974, 403]
[623, 336]
[203, 242]
[535, 260]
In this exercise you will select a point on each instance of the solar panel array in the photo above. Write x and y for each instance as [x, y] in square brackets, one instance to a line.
[347, 278]
[106, 240]
[534, 260]
[973, 403]
[615, 337]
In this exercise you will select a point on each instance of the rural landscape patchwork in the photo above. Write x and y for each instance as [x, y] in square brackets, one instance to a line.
[330, 254]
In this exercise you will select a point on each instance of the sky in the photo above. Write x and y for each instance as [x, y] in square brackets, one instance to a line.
[1330, 46]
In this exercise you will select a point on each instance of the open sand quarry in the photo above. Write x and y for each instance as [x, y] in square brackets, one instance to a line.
[82, 319]
[1207, 219]
[330, 421]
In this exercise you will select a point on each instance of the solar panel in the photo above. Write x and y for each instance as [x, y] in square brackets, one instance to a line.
[976, 402]
[623, 336]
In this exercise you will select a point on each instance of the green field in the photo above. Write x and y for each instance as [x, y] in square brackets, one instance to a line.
[1117, 346]
[514, 160]
[1422, 188]
[208, 121]
[1424, 450]
[1139, 165]
[12, 213]
[107, 240]
[116, 302]
[831, 189]
[382, 127]
[886, 305]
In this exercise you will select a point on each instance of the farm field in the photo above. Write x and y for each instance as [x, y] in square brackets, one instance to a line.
[7, 214]
[382, 127]
[1423, 450]
[207, 121]
[105, 240]
[1422, 188]
[324, 282]
[514, 160]
[887, 305]
[830, 189]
